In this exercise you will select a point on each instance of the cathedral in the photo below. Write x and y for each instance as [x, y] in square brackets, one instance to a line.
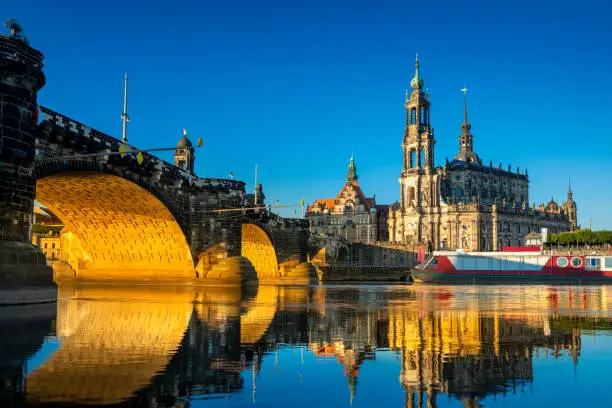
[465, 203]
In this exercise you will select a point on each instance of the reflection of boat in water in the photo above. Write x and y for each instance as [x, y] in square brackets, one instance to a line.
[514, 267]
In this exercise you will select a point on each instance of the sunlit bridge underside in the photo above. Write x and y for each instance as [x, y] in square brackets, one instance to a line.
[257, 248]
[115, 229]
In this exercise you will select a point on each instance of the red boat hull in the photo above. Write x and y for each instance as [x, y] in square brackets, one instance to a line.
[509, 268]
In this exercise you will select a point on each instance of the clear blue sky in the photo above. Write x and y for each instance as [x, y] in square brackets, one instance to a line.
[297, 86]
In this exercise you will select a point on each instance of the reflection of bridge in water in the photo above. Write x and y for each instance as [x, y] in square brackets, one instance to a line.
[142, 343]
[143, 346]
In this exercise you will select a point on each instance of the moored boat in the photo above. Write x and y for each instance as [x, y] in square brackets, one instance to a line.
[517, 266]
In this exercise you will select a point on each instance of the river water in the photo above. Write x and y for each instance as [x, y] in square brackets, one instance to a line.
[317, 346]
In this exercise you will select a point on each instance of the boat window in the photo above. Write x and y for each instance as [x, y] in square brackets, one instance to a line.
[576, 262]
[562, 262]
[593, 261]
[608, 261]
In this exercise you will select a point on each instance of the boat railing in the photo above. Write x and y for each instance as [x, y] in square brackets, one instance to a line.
[428, 261]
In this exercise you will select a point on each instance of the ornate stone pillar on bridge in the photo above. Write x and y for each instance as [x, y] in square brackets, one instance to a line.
[21, 78]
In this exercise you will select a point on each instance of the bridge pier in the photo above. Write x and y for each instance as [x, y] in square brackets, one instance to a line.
[24, 274]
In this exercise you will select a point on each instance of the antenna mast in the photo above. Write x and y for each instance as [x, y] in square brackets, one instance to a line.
[255, 196]
[124, 115]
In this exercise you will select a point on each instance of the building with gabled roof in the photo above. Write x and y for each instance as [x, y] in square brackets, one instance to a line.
[351, 215]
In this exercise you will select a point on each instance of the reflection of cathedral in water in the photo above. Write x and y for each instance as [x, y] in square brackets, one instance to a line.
[468, 355]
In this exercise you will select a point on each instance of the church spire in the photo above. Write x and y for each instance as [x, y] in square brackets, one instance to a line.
[352, 171]
[417, 82]
[466, 152]
[465, 120]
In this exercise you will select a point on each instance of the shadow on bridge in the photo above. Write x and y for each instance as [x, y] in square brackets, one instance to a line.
[273, 250]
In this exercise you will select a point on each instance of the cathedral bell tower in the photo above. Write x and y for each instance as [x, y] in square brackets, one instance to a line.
[419, 140]
[418, 148]
[418, 180]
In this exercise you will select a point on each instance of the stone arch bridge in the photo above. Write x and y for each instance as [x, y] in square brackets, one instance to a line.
[153, 221]
[125, 219]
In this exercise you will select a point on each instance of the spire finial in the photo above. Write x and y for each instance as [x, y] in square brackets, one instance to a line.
[570, 183]
[417, 81]
[465, 91]
[184, 132]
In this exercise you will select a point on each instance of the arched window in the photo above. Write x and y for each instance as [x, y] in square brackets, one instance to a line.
[411, 194]
[422, 116]
[412, 159]
[422, 158]
[458, 191]
[413, 116]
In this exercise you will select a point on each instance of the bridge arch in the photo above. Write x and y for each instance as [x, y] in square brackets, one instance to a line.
[141, 175]
[257, 247]
[115, 229]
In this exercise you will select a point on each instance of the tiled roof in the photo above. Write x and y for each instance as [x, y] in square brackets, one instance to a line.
[366, 201]
[329, 203]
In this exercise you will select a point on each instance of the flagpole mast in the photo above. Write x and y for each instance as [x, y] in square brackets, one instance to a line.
[124, 115]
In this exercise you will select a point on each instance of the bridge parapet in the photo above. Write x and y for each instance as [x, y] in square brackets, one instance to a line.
[61, 135]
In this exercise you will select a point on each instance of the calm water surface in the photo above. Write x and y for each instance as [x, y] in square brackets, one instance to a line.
[319, 346]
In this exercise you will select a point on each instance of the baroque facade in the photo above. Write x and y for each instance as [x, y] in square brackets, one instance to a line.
[463, 204]
[351, 215]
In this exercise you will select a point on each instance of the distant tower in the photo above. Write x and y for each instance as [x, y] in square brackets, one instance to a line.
[352, 176]
[184, 155]
[466, 153]
[570, 208]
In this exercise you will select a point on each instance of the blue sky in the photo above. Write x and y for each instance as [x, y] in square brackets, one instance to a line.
[297, 86]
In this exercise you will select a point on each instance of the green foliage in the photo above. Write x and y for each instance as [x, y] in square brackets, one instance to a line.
[581, 237]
